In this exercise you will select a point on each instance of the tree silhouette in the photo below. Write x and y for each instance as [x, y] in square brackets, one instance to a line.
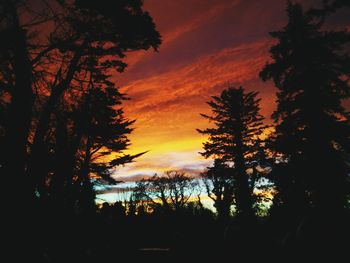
[16, 83]
[310, 69]
[88, 145]
[103, 134]
[38, 72]
[232, 140]
[219, 184]
[53, 123]
[88, 35]
[172, 191]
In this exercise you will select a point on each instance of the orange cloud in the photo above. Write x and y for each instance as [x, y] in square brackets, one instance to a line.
[206, 45]
[179, 90]
[168, 106]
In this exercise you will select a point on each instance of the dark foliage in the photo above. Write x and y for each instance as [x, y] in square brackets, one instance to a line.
[310, 69]
[234, 141]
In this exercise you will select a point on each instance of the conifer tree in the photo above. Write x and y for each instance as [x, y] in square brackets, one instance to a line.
[310, 69]
[237, 125]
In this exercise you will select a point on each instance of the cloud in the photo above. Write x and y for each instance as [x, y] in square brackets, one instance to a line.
[167, 107]
[187, 88]
[189, 162]
[198, 18]
[206, 45]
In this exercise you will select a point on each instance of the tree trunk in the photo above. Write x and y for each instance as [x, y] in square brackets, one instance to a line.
[17, 189]
[38, 148]
[59, 182]
[19, 116]
[244, 202]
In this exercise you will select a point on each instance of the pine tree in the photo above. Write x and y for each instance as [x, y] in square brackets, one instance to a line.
[310, 69]
[237, 125]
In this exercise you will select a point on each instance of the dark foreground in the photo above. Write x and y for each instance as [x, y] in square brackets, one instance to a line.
[187, 237]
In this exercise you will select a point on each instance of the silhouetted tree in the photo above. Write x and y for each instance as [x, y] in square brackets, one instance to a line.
[310, 69]
[16, 83]
[172, 190]
[37, 72]
[232, 140]
[50, 52]
[87, 36]
[219, 184]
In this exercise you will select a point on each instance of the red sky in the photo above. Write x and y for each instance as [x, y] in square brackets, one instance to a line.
[206, 45]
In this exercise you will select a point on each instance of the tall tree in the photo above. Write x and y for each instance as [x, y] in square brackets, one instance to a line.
[237, 125]
[46, 52]
[105, 31]
[16, 82]
[311, 71]
[104, 134]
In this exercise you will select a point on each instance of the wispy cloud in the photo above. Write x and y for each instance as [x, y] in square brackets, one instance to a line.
[168, 106]
[198, 20]
[166, 97]
[186, 161]
[171, 34]
[206, 45]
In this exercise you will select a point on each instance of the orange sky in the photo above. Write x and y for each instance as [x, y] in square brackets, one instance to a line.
[206, 44]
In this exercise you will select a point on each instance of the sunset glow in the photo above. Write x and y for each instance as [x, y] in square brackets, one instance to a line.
[206, 45]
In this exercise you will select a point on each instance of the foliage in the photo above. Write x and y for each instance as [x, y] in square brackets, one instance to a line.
[234, 142]
[173, 190]
[310, 68]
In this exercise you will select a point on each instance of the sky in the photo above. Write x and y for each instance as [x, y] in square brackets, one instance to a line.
[207, 45]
